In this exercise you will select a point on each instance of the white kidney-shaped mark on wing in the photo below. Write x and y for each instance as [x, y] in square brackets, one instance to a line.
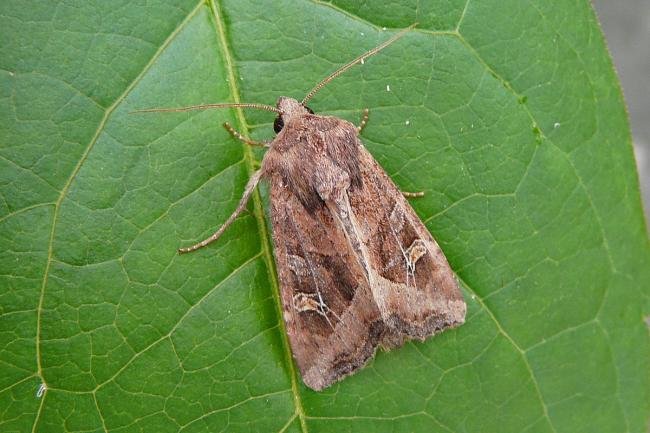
[412, 254]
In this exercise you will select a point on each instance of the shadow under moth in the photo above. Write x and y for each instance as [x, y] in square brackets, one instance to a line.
[357, 267]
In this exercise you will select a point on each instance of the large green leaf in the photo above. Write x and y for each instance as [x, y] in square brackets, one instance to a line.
[507, 114]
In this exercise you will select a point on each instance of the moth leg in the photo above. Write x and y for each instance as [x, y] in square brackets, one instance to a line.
[413, 194]
[250, 186]
[240, 137]
[364, 120]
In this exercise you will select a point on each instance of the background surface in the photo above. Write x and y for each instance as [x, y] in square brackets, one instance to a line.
[626, 26]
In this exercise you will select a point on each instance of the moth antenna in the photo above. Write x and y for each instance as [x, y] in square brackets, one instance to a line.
[347, 66]
[206, 106]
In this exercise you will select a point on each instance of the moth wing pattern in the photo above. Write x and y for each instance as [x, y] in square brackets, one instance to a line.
[413, 285]
[357, 268]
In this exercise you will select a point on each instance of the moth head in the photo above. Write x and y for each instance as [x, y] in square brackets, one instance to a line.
[289, 108]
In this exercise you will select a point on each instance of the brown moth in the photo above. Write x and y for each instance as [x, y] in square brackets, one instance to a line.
[357, 267]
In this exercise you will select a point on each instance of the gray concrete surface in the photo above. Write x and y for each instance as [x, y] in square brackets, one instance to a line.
[626, 24]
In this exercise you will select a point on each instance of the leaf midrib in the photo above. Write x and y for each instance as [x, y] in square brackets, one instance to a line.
[259, 213]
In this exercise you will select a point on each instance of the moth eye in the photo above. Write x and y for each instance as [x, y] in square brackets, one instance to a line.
[309, 110]
[278, 124]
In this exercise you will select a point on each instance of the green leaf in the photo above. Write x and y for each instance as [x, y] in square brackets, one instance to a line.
[508, 114]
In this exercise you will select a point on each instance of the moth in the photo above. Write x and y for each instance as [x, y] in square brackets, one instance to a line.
[357, 268]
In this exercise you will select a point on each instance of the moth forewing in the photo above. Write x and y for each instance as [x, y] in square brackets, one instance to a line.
[414, 285]
[357, 268]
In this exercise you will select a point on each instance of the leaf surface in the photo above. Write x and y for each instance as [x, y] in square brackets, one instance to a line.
[508, 115]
